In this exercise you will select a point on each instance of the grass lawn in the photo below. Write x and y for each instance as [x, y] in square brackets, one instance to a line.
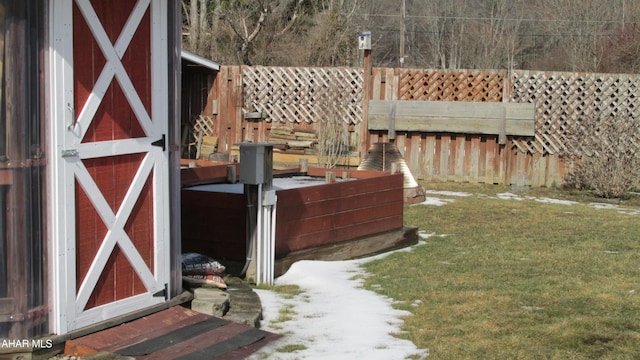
[518, 279]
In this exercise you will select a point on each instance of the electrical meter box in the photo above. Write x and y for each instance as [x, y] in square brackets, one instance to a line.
[364, 40]
[256, 163]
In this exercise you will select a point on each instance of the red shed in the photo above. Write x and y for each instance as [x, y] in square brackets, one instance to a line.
[89, 161]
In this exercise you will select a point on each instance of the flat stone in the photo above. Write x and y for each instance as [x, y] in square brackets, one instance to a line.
[236, 284]
[250, 318]
[210, 294]
[238, 303]
[246, 302]
[210, 301]
[216, 309]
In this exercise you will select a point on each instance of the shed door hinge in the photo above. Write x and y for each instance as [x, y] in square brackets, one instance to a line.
[163, 293]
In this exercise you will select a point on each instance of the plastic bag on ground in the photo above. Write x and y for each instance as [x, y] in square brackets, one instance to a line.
[199, 264]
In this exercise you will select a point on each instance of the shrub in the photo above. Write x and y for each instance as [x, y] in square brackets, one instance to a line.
[332, 130]
[603, 155]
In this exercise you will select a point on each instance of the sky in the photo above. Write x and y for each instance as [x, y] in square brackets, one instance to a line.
[335, 318]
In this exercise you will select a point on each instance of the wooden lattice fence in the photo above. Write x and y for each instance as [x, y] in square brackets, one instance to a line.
[299, 97]
[453, 85]
[563, 98]
[303, 95]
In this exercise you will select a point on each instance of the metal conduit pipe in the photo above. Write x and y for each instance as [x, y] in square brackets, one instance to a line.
[272, 245]
[258, 237]
[251, 226]
[3, 242]
[264, 241]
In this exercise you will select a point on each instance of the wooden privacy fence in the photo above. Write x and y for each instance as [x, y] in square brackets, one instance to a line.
[301, 97]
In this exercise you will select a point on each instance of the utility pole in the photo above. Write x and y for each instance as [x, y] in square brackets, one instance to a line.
[402, 32]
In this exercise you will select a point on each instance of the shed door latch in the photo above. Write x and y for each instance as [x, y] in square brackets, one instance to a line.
[162, 142]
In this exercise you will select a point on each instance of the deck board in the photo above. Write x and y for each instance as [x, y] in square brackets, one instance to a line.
[174, 333]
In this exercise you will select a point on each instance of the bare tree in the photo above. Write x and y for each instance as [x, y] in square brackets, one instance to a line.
[248, 19]
[576, 28]
[331, 129]
[201, 18]
[331, 43]
[622, 51]
[493, 43]
[442, 24]
[602, 156]
[227, 30]
[566, 35]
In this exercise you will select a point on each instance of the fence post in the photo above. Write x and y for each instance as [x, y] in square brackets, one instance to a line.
[366, 95]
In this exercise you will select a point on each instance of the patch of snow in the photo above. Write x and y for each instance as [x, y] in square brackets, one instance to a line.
[555, 201]
[434, 201]
[532, 308]
[603, 206]
[424, 235]
[448, 193]
[621, 210]
[509, 196]
[334, 317]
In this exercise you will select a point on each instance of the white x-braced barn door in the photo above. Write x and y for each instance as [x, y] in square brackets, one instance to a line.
[110, 178]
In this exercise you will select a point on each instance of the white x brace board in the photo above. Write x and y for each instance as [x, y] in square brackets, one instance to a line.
[109, 177]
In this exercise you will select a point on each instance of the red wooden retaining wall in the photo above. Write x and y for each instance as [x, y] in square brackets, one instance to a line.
[214, 223]
[315, 216]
